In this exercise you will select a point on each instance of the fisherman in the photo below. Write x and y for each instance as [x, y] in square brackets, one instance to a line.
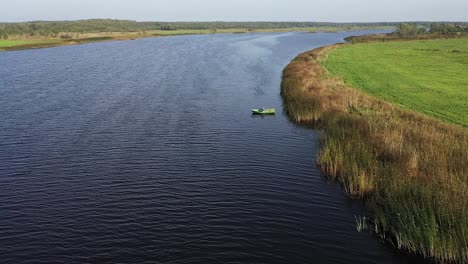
[262, 109]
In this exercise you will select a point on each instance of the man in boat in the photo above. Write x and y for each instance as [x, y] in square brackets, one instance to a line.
[261, 109]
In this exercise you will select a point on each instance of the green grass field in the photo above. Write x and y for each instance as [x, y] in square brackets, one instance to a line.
[13, 43]
[425, 76]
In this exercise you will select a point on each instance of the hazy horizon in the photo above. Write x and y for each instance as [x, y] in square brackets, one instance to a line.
[240, 21]
[338, 11]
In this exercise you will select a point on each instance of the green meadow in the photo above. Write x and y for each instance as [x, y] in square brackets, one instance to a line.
[12, 43]
[19, 44]
[425, 76]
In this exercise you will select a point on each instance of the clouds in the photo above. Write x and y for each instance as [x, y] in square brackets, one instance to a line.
[240, 10]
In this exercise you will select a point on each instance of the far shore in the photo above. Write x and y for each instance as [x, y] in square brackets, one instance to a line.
[22, 42]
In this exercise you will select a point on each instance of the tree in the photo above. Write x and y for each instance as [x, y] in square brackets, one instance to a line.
[445, 28]
[407, 29]
[422, 30]
[33, 26]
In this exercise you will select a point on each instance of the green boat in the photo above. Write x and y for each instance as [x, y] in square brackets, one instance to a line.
[264, 111]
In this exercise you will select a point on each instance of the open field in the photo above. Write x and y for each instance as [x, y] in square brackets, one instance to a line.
[408, 168]
[425, 76]
[391, 37]
[13, 43]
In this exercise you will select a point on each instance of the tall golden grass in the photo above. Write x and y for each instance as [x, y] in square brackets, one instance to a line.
[411, 170]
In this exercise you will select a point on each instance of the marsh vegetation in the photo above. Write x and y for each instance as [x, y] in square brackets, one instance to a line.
[410, 169]
[39, 34]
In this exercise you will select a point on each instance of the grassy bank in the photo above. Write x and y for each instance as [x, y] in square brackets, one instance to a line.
[410, 169]
[19, 42]
[425, 76]
[396, 37]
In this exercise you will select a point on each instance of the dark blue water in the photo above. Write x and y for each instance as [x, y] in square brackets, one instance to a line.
[145, 152]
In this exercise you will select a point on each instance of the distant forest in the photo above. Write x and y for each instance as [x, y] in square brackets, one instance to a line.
[54, 28]
[413, 29]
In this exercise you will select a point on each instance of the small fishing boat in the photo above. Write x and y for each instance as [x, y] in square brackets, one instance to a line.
[264, 111]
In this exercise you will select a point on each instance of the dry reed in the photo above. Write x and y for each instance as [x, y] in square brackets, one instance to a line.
[410, 169]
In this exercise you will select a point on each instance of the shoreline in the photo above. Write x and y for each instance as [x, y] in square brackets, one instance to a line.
[395, 37]
[40, 43]
[60, 43]
[408, 168]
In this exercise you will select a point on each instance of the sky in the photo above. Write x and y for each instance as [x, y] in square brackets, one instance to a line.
[237, 10]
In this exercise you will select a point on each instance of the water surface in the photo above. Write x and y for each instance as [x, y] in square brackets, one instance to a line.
[145, 152]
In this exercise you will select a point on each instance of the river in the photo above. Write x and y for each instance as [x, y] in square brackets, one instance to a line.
[145, 151]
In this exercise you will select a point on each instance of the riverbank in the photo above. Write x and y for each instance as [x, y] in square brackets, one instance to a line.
[408, 168]
[21, 42]
[396, 37]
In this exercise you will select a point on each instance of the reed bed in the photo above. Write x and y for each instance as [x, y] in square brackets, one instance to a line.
[410, 170]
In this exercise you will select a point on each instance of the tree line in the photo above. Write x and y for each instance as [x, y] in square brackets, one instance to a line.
[413, 29]
[54, 28]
